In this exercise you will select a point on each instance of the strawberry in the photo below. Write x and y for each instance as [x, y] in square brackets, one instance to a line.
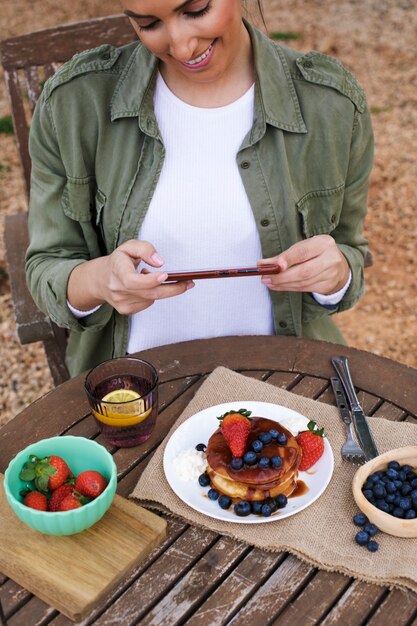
[72, 501]
[312, 445]
[235, 428]
[58, 495]
[48, 473]
[90, 483]
[36, 500]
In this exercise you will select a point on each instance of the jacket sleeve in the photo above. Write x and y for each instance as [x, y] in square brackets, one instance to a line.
[349, 232]
[59, 240]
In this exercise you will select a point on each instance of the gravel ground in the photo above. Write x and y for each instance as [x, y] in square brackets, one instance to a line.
[375, 39]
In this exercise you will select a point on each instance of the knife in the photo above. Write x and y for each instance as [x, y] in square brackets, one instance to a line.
[366, 440]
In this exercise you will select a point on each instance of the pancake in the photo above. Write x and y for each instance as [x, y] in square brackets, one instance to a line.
[252, 482]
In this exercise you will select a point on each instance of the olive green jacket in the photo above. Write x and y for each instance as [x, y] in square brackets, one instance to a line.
[97, 154]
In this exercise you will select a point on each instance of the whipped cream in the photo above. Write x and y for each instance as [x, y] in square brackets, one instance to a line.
[189, 464]
[294, 424]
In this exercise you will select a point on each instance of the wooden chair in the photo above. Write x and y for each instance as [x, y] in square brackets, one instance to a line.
[28, 61]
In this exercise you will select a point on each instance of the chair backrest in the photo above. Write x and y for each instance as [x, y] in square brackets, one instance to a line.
[28, 61]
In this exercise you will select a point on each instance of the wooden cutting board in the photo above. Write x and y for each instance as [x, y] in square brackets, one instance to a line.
[73, 573]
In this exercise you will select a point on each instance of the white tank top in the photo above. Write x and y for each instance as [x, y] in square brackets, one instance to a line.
[199, 218]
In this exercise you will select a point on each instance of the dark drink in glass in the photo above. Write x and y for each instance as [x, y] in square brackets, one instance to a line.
[123, 396]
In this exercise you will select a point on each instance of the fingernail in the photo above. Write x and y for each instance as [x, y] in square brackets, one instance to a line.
[190, 285]
[157, 259]
[266, 281]
[162, 277]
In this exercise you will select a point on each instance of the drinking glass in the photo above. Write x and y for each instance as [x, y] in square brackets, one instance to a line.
[123, 396]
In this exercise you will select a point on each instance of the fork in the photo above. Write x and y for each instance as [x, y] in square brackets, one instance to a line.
[351, 451]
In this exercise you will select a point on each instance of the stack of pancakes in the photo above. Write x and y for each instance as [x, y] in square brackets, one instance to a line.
[252, 482]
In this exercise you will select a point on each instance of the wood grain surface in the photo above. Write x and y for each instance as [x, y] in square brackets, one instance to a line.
[73, 573]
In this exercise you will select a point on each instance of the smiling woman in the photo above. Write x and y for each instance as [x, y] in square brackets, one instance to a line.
[203, 145]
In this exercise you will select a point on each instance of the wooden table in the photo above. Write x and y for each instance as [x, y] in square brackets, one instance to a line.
[197, 577]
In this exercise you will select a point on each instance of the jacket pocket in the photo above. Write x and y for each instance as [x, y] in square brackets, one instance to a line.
[320, 210]
[77, 204]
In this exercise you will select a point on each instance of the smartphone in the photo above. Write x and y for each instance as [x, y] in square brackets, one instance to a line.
[229, 272]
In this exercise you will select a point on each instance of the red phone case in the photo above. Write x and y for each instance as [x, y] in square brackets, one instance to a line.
[229, 272]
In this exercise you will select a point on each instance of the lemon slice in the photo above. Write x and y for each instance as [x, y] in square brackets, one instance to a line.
[121, 395]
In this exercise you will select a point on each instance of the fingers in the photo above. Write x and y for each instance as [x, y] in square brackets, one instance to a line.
[140, 250]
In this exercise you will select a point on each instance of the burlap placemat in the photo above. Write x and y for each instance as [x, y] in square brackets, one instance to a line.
[323, 534]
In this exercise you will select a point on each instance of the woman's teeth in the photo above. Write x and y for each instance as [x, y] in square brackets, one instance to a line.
[201, 57]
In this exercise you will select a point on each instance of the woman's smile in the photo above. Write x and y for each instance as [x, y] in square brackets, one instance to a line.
[202, 60]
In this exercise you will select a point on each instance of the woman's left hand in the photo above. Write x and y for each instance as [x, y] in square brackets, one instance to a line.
[312, 265]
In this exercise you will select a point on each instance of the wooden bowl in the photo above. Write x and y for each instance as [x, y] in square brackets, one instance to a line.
[384, 521]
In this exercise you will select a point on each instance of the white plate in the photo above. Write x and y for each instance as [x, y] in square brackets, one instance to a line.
[198, 429]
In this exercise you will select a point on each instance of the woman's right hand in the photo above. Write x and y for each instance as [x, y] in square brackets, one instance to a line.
[114, 279]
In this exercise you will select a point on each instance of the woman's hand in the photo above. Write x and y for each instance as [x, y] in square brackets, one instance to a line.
[114, 279]
[312, 265]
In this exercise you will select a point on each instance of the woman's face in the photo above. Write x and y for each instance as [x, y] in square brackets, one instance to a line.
[199, 40]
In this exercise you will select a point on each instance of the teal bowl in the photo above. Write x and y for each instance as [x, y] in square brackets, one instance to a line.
[80, 454]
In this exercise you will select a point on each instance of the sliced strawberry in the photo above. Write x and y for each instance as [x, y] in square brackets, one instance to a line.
[235, 428]
[90, 483]
[36, 500]
[312, 445]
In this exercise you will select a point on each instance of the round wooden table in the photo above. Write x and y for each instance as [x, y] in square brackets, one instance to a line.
[190, 578]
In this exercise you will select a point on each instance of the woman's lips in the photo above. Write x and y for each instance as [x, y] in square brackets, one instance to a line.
[202, 60]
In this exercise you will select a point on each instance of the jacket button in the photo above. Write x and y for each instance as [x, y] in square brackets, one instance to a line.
[282, 324]
[308, 64]
[265, 222]
[244, 165]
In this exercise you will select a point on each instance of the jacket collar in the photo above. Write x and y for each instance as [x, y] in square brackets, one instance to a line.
[276, 101]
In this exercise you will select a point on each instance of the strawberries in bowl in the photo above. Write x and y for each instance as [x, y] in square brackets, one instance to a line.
[40, 484]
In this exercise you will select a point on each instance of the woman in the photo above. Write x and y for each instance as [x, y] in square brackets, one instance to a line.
[206, 145]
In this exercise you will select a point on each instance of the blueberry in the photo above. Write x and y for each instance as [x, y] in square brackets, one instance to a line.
[224, 502]
[398, 483]
[372, 545]
[410, 514]
[414, 483]
[360, 519]
[257, 445]
[265, 438]
[257, 507]
[213, 494]
[274, 433]
[405, 503]
[276, 461]
[405, 489]
[282, 439]
[242, 508]
[390, 498]
[413, 493]
[390, 487]
[371, 529]
[379, 491]
[392, 473]
[362, 538]
[266, 510]
[406, 469]
[397, 512]
[204, 480]
[201, 447]
[382, 505]
[402, 475]
[368, 485]
[272, 503]
[281, 500]
[368, 493]
[394, 465]
[264, 462]
[250, 458]
[236, 463]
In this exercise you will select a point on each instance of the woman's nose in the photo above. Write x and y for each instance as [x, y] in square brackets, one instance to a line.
[181, 46]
